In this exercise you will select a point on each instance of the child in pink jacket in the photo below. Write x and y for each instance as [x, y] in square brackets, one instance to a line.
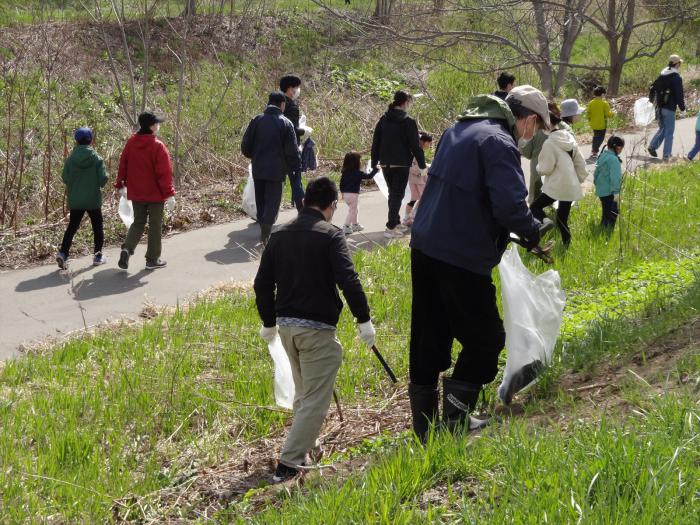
[416, 182]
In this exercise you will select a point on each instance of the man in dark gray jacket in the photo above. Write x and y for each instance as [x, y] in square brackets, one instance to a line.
[270, 142]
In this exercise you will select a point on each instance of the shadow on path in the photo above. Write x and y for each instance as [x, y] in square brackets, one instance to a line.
[240, 248]
[49, 280]
[111, 281]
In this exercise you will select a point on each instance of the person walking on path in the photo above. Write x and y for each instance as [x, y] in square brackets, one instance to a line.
[271, 143]
[351, 177]
[608, 181]
[530, 149]
[84, 175]
[296, 292]
[290, 85]
[416, 182]
[474, 197]
[146, 178]
[667, 94]
[394, 146]
[696, 147]
[506, 82]
[598, 113]
[564, 169]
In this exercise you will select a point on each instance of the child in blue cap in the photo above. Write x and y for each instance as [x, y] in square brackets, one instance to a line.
[84, 175]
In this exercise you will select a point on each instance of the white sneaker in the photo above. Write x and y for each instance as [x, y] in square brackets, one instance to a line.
[347, 229]
[393, 234]
[402, 228]
[357, 227]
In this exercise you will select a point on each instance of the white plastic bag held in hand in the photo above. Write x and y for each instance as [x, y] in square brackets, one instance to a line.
[248, 201]
[126, 211]
[644, 112]
[384, 189]
[533, 307]
[284, 382]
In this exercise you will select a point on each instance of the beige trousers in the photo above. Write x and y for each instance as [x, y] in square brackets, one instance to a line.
[315, 356]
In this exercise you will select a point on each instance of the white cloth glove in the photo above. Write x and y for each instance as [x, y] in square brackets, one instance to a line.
[122, 191]
[424, 172]
[268, 333]
[683, 114]
[616, 197]
[170, 204]
[367, 333]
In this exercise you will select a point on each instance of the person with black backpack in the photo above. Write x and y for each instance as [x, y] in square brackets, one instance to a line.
[667, 94]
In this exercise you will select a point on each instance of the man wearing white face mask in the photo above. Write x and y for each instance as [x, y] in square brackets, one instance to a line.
[290, 85]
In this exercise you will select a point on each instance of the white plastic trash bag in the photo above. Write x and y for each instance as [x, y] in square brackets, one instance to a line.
[644, 112]
[302, 125]
[384, 189]
[126, 211]
[533, 307]
[284, 382]
[248, 202]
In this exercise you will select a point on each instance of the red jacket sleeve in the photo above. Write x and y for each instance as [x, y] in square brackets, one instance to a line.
[164, 172]
[121, 176]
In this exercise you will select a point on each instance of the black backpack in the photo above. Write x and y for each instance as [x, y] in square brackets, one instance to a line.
[660, 91]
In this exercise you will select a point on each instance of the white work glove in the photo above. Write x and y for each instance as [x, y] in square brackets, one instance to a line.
[367, 333]
[268, 333]
[424, 172]
[616, 197]
[170, 204]
[683, 114]
[122, 191]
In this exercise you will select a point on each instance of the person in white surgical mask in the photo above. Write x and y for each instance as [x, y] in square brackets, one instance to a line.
[290, 85]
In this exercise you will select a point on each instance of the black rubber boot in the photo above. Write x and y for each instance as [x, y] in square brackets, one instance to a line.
[424, 408]
[265, 231]
[459, 398]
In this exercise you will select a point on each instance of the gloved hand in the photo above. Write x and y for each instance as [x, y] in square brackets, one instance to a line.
[170, 204]
[374, 171]
[424, 172]
[122, 191]
[616, 197]
[268, 333]
[531, 240]
[367, 333]
[683, 114]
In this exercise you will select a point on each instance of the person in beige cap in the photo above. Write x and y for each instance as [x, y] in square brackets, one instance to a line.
[667, 94]
[475, 196]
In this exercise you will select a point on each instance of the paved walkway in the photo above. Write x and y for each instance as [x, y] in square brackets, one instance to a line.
[43, 302]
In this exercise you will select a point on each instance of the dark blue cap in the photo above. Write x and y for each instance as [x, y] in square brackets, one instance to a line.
[83, 135]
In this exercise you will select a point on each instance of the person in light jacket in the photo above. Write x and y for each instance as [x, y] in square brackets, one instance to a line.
[608, 181]
[564, 169]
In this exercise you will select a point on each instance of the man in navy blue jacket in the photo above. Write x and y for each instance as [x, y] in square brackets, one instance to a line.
[270, 141]
[475, 196]
[667, 94]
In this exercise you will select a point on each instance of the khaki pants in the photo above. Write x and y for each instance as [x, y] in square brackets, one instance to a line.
[153, 213]
[315, 356]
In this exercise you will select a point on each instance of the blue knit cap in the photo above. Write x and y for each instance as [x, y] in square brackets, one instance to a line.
[83, 135]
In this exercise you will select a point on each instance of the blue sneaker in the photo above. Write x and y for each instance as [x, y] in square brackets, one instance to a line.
[99, 259]
[61, 260]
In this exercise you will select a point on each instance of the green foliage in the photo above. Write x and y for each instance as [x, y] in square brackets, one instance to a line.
[364, 82]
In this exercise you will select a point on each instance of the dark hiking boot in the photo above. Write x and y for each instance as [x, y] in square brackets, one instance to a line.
[265, 232]
[459, 399]
[61, 260]
[652, 152]
[123, 259]
[155, 265]
[284, 473]
[424, 408]
[520, 380]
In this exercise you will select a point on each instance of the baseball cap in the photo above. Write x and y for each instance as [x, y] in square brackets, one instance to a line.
[147, 119]
[570, 108]
[83, 135]
[532, 99]
[675, 59]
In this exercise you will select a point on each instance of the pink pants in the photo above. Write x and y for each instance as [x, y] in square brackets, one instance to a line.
[352, 200]
[416, 194]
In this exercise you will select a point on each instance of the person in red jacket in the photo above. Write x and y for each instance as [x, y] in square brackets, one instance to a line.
[146, 178]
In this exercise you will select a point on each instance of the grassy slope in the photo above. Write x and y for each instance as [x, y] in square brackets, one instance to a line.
[129, 411]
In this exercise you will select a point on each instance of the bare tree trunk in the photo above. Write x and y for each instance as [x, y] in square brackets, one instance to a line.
[382, 11]
[190, 8]
[544, 64]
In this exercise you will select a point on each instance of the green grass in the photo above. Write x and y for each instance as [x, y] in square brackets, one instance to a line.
[128, 411]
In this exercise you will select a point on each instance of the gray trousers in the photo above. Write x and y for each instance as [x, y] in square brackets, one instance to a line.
[315, 356]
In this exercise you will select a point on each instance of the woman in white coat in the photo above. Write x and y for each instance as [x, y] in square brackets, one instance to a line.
[563, 169]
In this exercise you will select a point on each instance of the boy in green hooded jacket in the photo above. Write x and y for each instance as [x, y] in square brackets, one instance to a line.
[84, 175]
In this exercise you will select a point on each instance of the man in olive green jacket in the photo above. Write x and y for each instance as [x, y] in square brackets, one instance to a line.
[84, 175]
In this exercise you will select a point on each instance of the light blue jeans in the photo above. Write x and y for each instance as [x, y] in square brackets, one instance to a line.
[696, 147]
[667, 125]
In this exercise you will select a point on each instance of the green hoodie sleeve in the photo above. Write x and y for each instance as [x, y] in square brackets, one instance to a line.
[101, 172]
[65, 175]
